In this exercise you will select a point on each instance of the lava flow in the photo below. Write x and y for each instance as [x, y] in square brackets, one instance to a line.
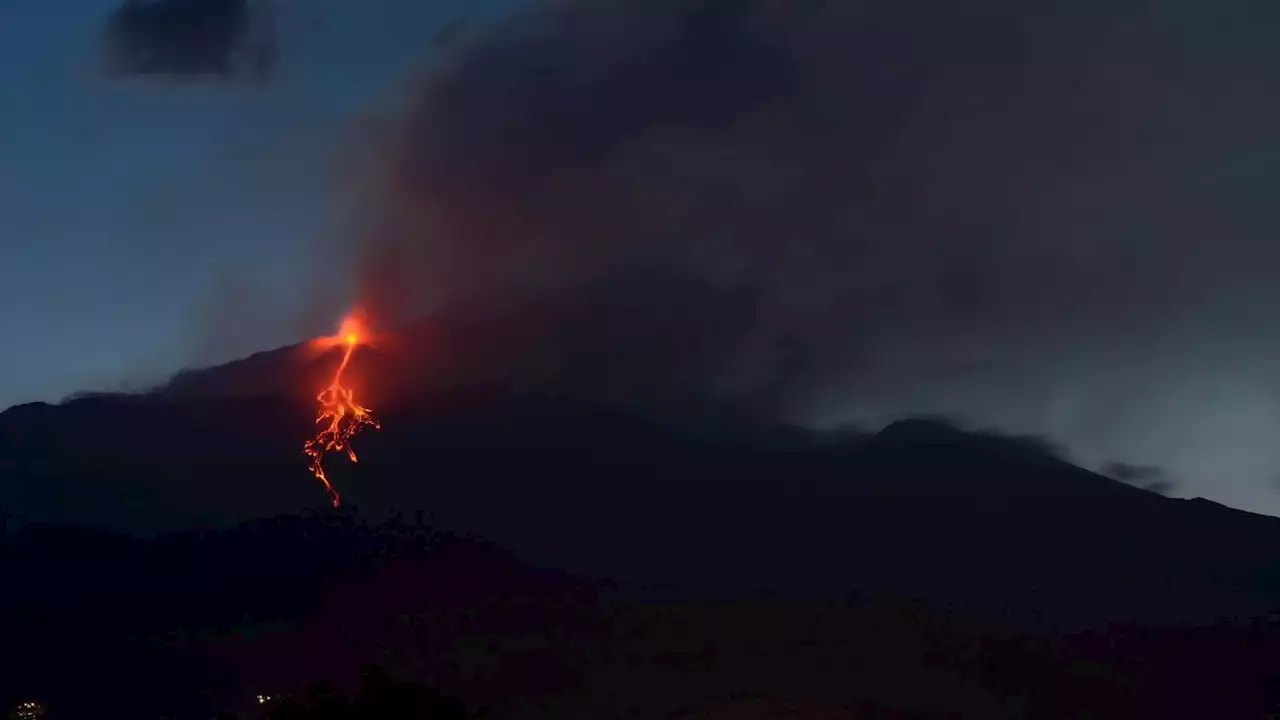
[340, 413]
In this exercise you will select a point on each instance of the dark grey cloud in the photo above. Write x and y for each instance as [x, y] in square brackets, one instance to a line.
[1147, 477]
[190, 38]
[1132, 474]
[1042, 218]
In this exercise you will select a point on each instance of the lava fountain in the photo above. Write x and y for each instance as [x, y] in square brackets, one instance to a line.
[339, 415]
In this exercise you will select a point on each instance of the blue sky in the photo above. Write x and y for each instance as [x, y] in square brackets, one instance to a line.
[128, 206]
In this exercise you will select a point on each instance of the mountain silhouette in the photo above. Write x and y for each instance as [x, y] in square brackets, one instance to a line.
[692, 504]
[701, 497]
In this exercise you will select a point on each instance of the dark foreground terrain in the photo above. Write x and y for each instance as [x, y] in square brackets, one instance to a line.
[328, 617]
[581, 562]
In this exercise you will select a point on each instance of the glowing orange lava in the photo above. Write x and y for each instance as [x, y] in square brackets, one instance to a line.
[341, 415]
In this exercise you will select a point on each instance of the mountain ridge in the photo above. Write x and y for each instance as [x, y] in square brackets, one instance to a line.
[706, 500]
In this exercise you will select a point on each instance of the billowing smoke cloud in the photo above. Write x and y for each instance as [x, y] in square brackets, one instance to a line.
[190, 38]
[1037, 219]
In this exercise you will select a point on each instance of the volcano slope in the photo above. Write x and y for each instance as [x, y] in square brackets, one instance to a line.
[696, 564]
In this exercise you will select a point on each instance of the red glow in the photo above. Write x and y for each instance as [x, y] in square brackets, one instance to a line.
[341, 415]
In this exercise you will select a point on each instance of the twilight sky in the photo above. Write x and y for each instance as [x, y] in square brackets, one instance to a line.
[132, 208]
[1060, 223]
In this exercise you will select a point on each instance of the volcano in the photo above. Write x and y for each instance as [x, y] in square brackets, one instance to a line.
[687, 502]
[696, 496]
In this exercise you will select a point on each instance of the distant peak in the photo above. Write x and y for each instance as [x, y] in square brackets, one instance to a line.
[934, 432]
[922, 429]
[25, 409]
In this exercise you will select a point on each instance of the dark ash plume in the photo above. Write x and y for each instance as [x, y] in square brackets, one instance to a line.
[930, 206]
